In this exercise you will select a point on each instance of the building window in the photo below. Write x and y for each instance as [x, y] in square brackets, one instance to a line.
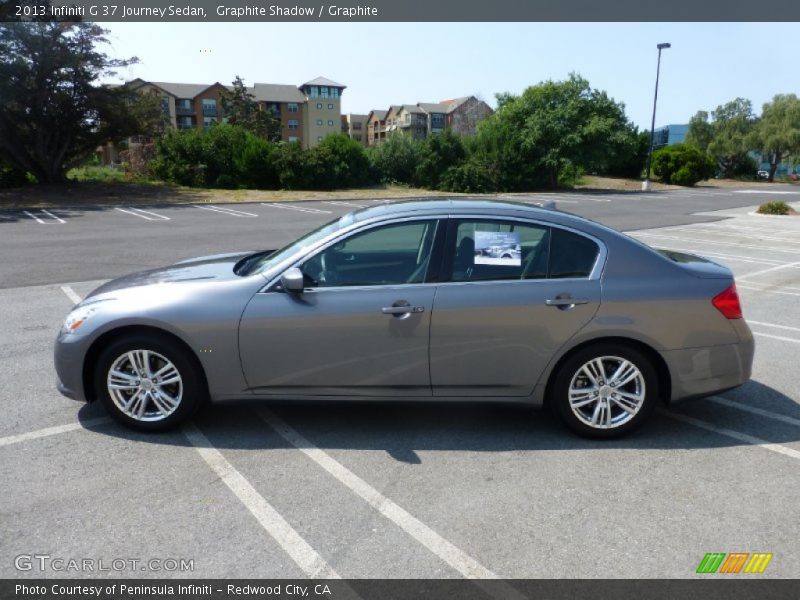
[209, 107]
[330, 123]
[292, 107]
[357, 125]
[185, 123]
[437, 121]
[319, 122]
[293, 124]
[208, 122]
[319, 105]
[324, 92]
[357, 137]
[184, 104]
[330, 106]
[293, 139]
[314, 91]
[334, 92]
[165, 105]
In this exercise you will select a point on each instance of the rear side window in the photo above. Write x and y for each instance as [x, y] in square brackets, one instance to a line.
[571, 255]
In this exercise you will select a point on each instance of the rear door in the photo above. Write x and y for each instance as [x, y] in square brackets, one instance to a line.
[514, 292]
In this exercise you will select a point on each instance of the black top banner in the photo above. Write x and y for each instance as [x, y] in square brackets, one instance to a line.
[400, 10]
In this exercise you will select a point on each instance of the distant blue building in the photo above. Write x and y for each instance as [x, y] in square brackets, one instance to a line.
[669, 134]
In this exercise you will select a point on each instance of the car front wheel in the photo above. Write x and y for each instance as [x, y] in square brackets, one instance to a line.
[605, 390]
[148, 382]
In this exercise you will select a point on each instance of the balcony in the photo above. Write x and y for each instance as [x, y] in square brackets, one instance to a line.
[184, 111]
[210, 111]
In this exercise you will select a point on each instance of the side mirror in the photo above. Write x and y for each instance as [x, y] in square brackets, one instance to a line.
[292, 280]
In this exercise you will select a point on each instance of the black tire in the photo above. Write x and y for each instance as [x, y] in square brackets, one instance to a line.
[194, 393]
[559, 391]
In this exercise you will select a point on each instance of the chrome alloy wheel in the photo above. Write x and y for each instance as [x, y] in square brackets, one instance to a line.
[145, 385]
[606, 392]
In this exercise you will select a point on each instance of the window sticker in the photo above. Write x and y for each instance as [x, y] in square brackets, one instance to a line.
[498, 248]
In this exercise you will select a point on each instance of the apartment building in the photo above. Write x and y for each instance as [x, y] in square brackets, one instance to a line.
[355, 127]
[376, 126]
[420, 120]
[307, 113]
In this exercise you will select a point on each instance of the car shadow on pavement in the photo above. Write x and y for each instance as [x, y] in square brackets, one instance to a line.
[402, 429]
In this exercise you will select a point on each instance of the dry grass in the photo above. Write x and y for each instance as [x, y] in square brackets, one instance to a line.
[110, 194]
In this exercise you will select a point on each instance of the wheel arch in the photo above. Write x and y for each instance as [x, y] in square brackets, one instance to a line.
[108, 337]
[658, 362]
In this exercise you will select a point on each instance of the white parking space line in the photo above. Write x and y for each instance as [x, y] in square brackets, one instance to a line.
[48, 431]
[343, 203]
[754, 410]
[226, 211]
[47, 213]
[764, 192]
[790, 239]
[794, 265]
[766, 290]
[751, 322]
[70, 293]
[143, 214]
[736, 435]
[312, 564]
[305, 209]
[718, 243]
[777, 337]
[463, 563]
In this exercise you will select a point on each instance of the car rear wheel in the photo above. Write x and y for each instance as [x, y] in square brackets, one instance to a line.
[148, 382]
[605, 390]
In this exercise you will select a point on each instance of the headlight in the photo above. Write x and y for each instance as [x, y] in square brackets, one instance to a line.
[78, 317]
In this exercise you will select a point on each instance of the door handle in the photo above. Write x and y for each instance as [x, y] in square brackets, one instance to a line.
[402, 310]
[565, 301]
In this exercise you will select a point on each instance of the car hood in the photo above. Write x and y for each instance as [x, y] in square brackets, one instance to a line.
[218, 267]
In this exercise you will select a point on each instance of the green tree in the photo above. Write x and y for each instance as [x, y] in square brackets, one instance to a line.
[239, 107]
[777, 133]
[701, 132]
[732, 125]
[553, 128]
[53, 113]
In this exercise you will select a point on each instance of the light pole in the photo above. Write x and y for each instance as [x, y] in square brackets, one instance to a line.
[646, 185]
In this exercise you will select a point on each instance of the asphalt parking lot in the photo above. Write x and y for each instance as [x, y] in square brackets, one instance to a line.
[393, 490]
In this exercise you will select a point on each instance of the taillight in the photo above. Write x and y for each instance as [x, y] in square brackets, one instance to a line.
[727, 303]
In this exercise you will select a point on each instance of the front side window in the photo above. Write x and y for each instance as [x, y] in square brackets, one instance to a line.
[293, 124]
[319, 105]
[330, 106]
[330, 123]
[394, 254]
[314, 91]
[324, 91]
[319, 121]
[292, 107]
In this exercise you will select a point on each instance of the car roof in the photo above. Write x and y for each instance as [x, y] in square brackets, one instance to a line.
[478, 206]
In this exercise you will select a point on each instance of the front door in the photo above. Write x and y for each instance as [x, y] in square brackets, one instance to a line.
[360, 328]
[516, 293]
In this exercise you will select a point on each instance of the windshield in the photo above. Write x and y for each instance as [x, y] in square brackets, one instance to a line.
[267, 262]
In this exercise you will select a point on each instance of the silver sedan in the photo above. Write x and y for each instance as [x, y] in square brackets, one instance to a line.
[394, 302]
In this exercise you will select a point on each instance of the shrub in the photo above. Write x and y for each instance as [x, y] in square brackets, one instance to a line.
[471, 177]
[339, 162]
[11, 176]
[682, 164]
[395, 159]
[437, 154]
[774, 208]
[96, 174]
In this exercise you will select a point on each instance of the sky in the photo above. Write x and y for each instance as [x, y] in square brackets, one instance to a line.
[405, 63]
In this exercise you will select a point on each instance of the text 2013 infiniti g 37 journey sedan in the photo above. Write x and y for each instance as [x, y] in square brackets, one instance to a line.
[392, 302]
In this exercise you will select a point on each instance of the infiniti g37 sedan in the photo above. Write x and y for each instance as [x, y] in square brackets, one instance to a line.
[390, 303]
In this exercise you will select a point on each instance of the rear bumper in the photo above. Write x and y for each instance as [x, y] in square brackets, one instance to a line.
[709, 370]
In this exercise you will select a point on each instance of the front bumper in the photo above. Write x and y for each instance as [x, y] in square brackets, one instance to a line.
[68, 356]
